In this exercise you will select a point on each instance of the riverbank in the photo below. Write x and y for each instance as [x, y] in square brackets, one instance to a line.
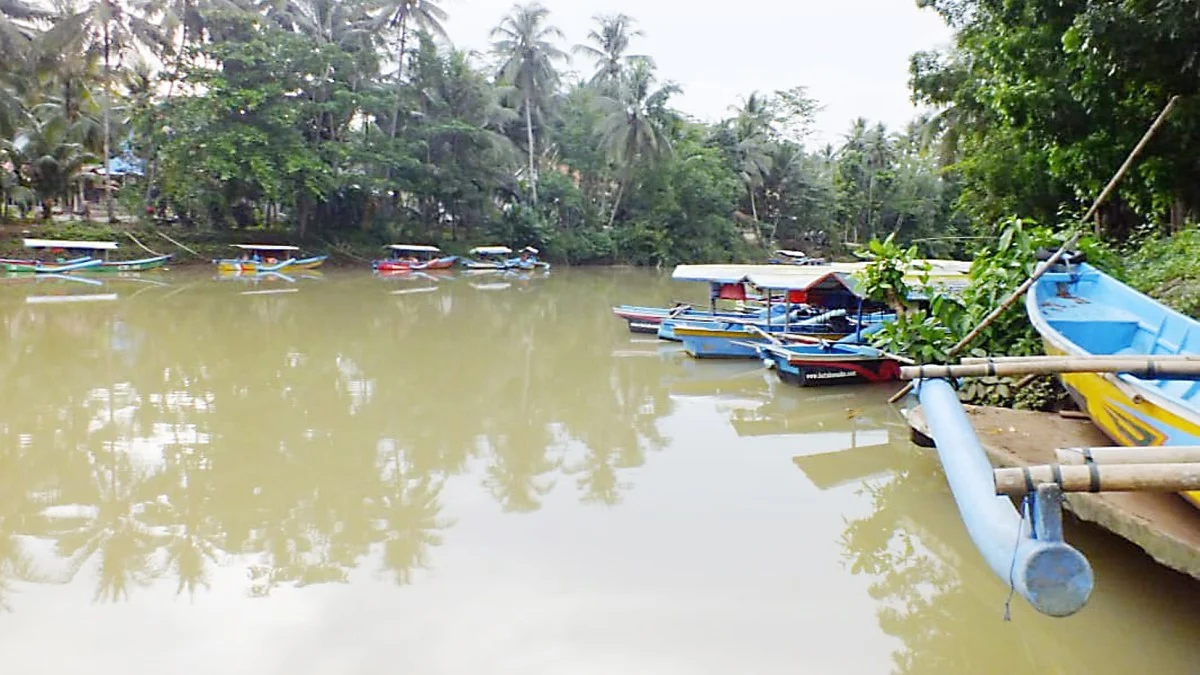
[1163, 525]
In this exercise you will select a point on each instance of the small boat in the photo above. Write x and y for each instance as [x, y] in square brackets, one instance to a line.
[409, 257]
[1024, 548]
[267, 258]
[528, 260]
[786, 257]
[81, 252]
[819, 305]
[841, 362]
[726, 285]
[1080, 311]
[488, 258]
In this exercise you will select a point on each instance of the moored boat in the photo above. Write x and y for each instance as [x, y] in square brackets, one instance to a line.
[1080, 311]
[79, 255]
[808, 365]
[411, 257]
[786, 257]
[488, 258]
[268, 258]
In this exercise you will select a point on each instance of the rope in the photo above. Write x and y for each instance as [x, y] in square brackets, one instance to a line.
[178, 244]
[1012, 567]
[344, 250]
[150, 251]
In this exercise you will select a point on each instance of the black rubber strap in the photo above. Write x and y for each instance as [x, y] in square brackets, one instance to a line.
[1029, 487]
[1056, 472]
[1093, 470]
[991, 368]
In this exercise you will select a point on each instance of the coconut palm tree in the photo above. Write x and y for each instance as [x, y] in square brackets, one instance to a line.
[523, 41]
[609, 44]
[752, 128]
[109, 27]
[16, 32]
[634, 130]
[402, 16]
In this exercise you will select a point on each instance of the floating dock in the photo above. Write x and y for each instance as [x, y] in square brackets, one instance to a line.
[1163, 525]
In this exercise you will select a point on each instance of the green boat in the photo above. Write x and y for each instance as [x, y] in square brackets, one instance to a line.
[85, 258]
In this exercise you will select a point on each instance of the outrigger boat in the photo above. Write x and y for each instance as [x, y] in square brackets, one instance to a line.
[843, 362]
[786, 257]
[726, 285]
[528, 260]
[1080, 311]
[267, 258]
[411, 257]
[83, 258]
[826, 300]
[488, 258]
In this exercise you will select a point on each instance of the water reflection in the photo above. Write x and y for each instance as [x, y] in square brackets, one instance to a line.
[159, 436]
[461, 451]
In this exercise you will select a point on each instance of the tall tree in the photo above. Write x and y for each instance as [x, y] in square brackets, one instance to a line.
[402, 16]
[524, 43]
[609, 42]
[634, 131]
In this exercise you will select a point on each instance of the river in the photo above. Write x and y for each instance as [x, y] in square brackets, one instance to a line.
[348, 474]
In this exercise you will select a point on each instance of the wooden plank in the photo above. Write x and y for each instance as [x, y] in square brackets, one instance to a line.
[1165, 526]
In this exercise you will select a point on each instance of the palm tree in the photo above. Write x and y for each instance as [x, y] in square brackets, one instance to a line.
[109, 27]
[610, 40]
[634, 130]
[523, 42]
[188, 19]
[15, 31]
[402, 15]
[752, 129]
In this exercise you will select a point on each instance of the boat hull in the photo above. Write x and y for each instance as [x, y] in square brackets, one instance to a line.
[732, 343]
[817, 365]
[410, 266]
[309, 263]
[1130, 411]
[244, 266]
[132, 265]
[53, 268]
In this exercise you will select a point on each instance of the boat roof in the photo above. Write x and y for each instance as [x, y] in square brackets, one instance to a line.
[732, 274]
[265, 247]
[791, 254]
[63, 243]
[413, 247]
[486, 250]
[531, 250]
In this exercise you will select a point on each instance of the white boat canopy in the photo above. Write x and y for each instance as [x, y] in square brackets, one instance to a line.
[775, 281]
[791, 254]
[490, 250]
[413, 247]
[732, 274]
[266, 247]
[61, 243]
[530, 249]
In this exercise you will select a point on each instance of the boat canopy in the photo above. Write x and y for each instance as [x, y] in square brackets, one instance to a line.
[823, 278]
[732, 274]
[490, 250]
[61, 243]
[791, 254]
[413, 247]
[266, 247]
[530, 249]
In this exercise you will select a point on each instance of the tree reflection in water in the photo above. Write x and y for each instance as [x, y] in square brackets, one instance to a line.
[300, 435]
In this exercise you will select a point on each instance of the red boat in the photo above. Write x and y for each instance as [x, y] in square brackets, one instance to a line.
[414, 257]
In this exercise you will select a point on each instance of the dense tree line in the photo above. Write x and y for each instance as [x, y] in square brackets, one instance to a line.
[1039, 103]
[359, 120]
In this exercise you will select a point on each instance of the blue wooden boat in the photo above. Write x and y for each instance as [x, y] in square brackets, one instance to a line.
[1080, 311]
[1025, 547]
[726, 285]
[830, 307]
[846, 361]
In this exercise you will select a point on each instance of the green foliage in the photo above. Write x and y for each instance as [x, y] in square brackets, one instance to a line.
[1168, 269]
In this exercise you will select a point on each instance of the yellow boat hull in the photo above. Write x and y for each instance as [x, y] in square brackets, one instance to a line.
[1125, 417]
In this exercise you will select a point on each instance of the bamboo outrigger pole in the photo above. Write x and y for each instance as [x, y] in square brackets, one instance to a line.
[1143, 366]
[1160, 454]
[1058, 255]
[1181, 477]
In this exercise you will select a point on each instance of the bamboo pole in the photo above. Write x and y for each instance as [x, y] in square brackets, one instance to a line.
[1058, 255]
[1094, 358]
[1162, 454]
[762, 333]
[1179, 477]
[177, 243]
[1142, 367]
[141, 245]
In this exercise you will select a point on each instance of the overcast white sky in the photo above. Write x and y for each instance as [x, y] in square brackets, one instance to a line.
[851, 54]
